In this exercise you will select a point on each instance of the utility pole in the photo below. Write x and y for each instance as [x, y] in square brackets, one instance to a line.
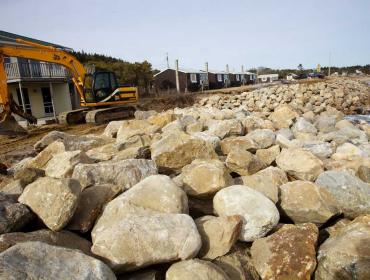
[168, 64]
[177, 76]
[243, 76]
[329, 64]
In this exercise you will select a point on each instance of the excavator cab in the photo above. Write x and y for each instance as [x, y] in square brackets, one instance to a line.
[99, 86]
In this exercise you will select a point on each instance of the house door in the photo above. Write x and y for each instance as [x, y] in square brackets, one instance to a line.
[48, 103]
[26, 99]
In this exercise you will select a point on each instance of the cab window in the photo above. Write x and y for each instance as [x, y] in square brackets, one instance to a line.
[102, 81]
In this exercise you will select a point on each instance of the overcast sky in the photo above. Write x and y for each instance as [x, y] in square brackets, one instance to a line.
[271, 33]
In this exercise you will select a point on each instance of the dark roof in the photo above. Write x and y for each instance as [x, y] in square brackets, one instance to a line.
[10, 38]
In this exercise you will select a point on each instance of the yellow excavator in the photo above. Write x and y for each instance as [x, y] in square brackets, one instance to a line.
[101, 98]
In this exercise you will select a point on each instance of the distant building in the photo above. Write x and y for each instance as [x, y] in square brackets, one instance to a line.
[42, 89]
[240, 78]
[268, 78]
[189, 79]
[219, 79]
[291, 76]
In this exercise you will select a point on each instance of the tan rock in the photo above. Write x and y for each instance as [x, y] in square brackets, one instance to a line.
[218, 235]
[283, 117]
[135, 241]
[62, 164]
[306, 202]
[300, 164]
[268, 156]
[162, 119]
[195, 269]
[203, 178]
[175, 150]
[54, 201]
[41, 160]
[62, 238]
[237, 142]
[135, 127]
[267, 182]
[243, 162]
[288, 253]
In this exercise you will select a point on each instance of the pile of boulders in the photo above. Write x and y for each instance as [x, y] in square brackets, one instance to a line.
[346, 95]
[194, 193]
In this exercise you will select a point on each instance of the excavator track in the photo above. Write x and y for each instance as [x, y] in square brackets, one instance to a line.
[100, 116]
[72, 117]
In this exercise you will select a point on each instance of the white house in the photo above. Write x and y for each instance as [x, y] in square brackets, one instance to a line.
[268, 78]
[42, 89]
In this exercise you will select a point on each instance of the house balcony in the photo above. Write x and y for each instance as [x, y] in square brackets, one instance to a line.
[35, 72]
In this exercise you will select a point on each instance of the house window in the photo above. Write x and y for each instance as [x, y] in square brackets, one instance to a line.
[219, 77]
[237, 77]
[193, 78]
[226, 77]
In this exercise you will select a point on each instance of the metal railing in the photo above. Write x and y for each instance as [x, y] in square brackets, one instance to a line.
[37, 70]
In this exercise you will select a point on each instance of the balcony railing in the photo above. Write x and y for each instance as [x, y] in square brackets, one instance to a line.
[36, 70]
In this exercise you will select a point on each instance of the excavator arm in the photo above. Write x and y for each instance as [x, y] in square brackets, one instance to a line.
[39, 52]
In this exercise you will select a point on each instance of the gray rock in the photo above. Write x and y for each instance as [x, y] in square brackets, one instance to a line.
[351, 193]
[62, 239]
[124, 174]
[346, 254]
[37, 260]
[264, 138]
[13, 215]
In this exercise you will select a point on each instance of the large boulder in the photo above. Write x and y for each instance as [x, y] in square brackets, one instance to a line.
[259, 214]
[13, 215]
[346, 254]
[283, 117]
[243, 162]
[112, 128]
[72, 142]
[300, 164]
[267, 182]
[303, 129]
[325, 123]
[124, 174]
[195, 269]
[54, 201]
[37, 260]
[203, 178]
[62, 164]
[177, 149]
[218, 235]
[306, 202]
[155, 194]
[90, 206]
[351, 193]
[288, 253]
[162, 119]
[133, 242]
[264, 138]
[62, 238]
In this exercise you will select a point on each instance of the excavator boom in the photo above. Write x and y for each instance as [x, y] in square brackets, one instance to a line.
[100, 97]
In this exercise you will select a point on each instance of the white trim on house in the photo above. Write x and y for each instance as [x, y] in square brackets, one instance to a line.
[193, 78]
